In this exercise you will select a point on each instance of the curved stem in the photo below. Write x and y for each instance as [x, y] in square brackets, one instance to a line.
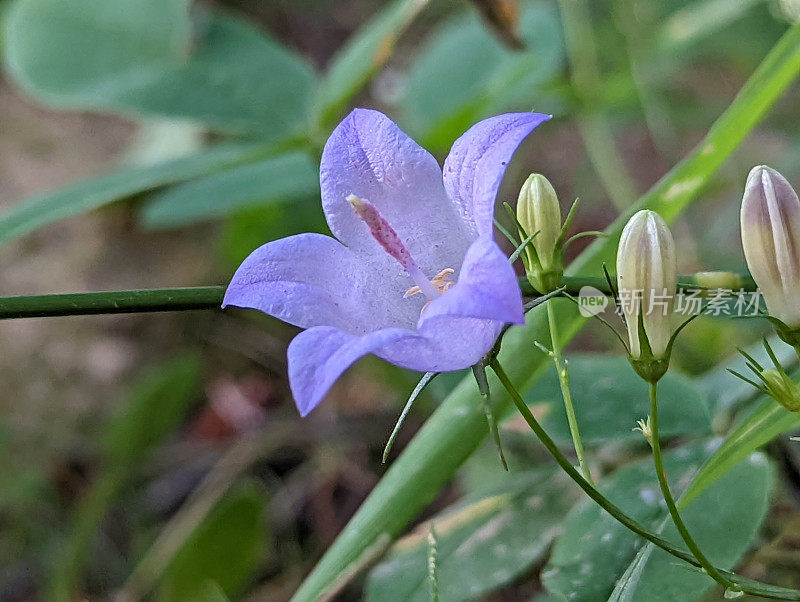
[748, 586]
[673, 510]
[563, 380]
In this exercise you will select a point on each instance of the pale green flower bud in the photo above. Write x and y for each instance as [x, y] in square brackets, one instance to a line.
[647, 278]
[782, 389]
[770, 221]
[538, 211]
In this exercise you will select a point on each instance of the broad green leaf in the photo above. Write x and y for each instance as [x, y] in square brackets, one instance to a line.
[595, 551]
[485, 541]
[223, 552]
[769, 420]
[157, 404]
[479, 74]
[78, 198]
[609, 397]
[138, 59]
[273, 180]
[362, 56]
[456, 429]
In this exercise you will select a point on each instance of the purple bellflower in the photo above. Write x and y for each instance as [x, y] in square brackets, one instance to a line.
[413, 276]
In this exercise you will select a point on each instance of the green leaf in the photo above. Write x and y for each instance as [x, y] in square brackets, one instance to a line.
[769, 420]
[223, 552]
[485, 541]
[456, 429]
[274, 180]
[157, 405]
[84, 196]
[609, 397]
[362, 56]
[480, 75]
[595, 551]
[139, 59]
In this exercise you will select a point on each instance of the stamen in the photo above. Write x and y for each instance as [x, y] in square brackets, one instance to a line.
[388, 239]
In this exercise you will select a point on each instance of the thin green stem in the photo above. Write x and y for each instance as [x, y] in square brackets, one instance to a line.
[563, 380]
[748, 586]
[210, 297]
[673, 510]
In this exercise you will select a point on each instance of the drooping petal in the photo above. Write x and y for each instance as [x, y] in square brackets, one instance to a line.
[318, 356]
[477, 162]
[368, 156]
[487, 288]
[313, 280]
[445, 343]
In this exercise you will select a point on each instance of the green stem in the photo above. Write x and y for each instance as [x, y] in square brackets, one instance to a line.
[210, 297]
[563, 380]
[113, 302]
[673, 510]
[748, 586]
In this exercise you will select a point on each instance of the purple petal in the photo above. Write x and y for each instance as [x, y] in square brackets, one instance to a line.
[444, 344]
[475, 166]
[313, 280]
[487, 288]
[369, 156]
[318, 356]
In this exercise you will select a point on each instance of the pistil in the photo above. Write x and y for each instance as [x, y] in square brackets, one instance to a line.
[388, 239]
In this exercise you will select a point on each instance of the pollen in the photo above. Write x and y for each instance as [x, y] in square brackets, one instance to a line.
[440, 283]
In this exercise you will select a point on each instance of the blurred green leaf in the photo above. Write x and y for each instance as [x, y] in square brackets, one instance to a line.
[156, 406]
[485, 541]
[479, 74]
[769, 420]
[277, 179]
[362, 56]
[140, 59]
[595, 551]
[225, 550]
[78, 198]
[609, 398]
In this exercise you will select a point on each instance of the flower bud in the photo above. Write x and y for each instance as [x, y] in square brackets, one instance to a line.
[782, 389]
[538, 211]
[646, 277]
[770, 221]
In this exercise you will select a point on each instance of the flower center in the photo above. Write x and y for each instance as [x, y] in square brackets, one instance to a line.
[388, 239]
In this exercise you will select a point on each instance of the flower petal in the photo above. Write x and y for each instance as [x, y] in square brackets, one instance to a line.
[487, 288]
[369, 156]
[313, 280]
[477, 162]
[445, 343]
[318, 356]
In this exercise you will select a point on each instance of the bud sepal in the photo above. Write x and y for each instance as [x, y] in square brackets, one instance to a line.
[774, 381]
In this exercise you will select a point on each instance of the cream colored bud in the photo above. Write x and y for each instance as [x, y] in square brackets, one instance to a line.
[646, 277]
[538, 210]
[770, 220]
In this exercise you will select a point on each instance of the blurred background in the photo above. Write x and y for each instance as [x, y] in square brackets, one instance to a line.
[161, 455]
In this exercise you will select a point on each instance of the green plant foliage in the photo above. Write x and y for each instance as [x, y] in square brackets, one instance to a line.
[362, 56]
[278, 179]
[91, 194]
[106, 54]
[595, 551]
[222, 553]
[485, 541]
[479, 74]
[157, 404]
[609, 398]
